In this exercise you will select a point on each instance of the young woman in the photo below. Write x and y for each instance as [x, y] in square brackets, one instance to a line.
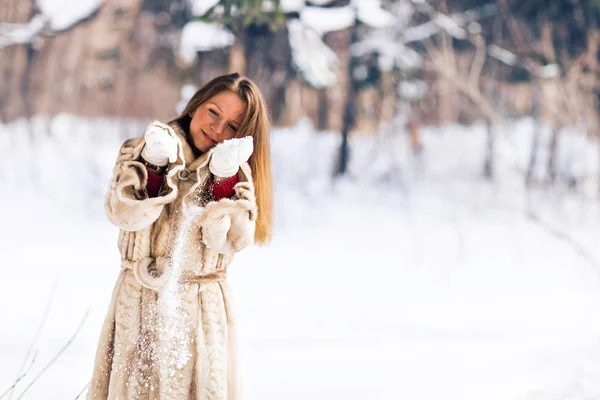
[200, 161]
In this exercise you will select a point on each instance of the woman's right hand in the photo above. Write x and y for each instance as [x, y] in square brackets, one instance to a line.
[161, 144]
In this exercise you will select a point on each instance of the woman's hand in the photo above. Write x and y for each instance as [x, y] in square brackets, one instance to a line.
[229, 155]
[161, 144]
[229, 225]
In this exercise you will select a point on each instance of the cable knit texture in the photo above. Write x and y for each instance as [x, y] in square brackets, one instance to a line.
[133, 361]
[224, 189]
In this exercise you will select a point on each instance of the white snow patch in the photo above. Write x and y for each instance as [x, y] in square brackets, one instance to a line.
[450, 26]
[201, 7]
[419, 32]
[314, 60]
[412, 90]
[24, 33]
[468, 291]
[369, 12]
[186, 93]
[360, 72]
[503, 55]
[320, 2]
[201, 36]
[403, 11]
[291, 5]
[549, 71]
[267, 6]
[63, 14]
[407, 58]
[474, 28]
[455, 25]
[324, 20]
[391, 52]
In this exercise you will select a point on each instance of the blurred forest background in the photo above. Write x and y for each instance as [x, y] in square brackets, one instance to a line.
[436, 169]
[351, 66]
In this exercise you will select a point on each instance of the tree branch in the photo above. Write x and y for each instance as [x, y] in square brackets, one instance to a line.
[10, 389]
[439, 64]
[82, 390]
[53, 360]
[478, 60]
[37, 332]
[576, 246]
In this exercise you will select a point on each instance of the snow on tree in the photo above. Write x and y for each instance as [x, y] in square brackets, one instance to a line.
[201, 36]
[54, 16]
[323, 20]
[310, 54]
[200, 7]
[63, 14]
[315, 62]
[24, 33]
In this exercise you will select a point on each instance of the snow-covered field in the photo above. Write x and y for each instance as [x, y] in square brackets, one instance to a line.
[411, 279]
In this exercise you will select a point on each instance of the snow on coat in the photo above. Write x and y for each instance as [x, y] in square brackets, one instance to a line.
[133, 360]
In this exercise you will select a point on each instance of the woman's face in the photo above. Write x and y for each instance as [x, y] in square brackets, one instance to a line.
[216, 120]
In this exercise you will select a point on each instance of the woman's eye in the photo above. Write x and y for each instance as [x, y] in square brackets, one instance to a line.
[213, 112]
[233, 128]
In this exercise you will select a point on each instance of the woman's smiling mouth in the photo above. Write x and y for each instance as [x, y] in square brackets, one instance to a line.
[208, 137]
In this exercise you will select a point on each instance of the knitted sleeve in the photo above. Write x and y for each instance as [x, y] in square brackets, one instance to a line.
[224, 189]
[154, 184]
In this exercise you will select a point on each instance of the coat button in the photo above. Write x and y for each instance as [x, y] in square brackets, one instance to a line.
[184, 174]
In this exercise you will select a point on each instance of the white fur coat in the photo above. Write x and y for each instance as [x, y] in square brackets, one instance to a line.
[133, 360]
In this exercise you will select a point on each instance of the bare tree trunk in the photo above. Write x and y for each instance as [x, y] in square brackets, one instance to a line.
[267, 54]
[389, 107]
[599, 171]
[442, 61]
[553, 148]
[349, 119]
[488, 165]
[323, 111]
[414, 129]
[535, 139]
[490, 89]
[533, 154]
[13, 62]
[237, 58]
[445, 103]
[212, 64]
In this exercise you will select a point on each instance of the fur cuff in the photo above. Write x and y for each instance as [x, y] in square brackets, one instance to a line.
[228, 225]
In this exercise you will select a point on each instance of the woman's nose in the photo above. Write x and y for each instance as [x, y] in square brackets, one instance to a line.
[218, 127]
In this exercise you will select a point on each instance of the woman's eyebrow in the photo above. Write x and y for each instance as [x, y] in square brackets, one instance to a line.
[211, 102]
[235, 122]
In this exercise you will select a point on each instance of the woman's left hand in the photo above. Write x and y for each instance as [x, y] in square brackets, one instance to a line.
[229, 155]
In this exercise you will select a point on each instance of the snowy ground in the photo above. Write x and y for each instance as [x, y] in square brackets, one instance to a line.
[426, 284]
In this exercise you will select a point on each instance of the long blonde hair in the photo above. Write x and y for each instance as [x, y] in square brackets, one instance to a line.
[256, 123]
